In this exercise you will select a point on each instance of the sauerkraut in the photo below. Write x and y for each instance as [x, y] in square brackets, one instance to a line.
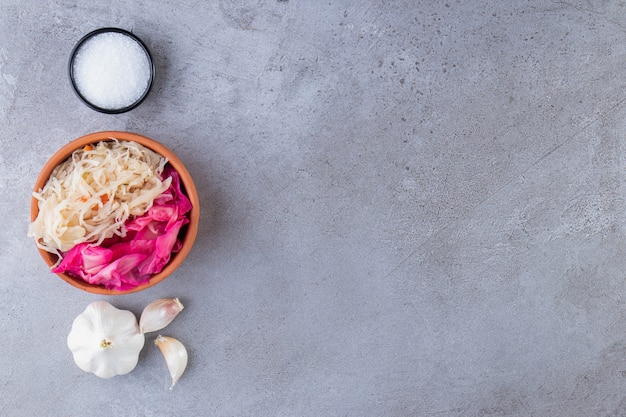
[90, 196]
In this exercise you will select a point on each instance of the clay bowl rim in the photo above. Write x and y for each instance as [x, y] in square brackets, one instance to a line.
[187, 182]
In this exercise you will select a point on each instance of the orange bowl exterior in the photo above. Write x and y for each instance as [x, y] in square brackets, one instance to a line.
[188, 186]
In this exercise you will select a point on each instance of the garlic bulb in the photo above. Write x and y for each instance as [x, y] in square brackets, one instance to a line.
[159, 314]
[105, 341]
[175, 356]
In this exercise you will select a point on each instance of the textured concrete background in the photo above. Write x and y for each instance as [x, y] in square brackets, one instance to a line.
[408, 208]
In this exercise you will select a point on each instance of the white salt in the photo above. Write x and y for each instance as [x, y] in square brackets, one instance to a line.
[111, 70]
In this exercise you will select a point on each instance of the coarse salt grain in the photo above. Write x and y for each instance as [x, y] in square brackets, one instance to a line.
[111, 70]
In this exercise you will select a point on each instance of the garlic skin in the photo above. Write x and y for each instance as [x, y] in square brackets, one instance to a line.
[159, 314]
[175, 356]
[105, 341]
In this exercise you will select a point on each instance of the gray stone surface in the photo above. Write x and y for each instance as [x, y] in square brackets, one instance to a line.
[408, 208]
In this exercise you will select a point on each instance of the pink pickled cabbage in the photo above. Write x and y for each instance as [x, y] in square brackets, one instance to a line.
[122, 263]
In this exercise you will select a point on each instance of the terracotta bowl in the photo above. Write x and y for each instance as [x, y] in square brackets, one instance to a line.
[188, 233]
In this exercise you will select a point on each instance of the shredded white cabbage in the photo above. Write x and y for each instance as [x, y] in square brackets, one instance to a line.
[89, 196]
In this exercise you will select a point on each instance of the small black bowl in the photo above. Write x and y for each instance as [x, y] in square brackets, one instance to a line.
[84, 99]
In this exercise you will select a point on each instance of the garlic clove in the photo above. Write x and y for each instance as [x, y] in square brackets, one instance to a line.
[175, 356]
[159, 314]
